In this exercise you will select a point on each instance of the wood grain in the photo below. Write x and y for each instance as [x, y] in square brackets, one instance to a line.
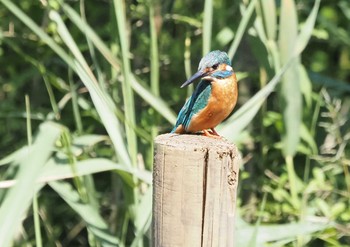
[194, 191]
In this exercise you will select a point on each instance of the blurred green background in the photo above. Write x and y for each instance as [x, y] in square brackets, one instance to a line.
[85, 86]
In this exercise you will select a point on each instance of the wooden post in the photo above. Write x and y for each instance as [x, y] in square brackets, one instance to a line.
[194, 191]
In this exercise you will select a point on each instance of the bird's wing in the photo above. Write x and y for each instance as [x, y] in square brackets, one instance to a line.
[194, 104]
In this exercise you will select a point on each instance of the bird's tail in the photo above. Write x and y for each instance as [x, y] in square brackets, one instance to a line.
[178, 129]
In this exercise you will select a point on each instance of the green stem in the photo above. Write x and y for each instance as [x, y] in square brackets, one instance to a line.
[154, 62]
[51, 96]
[292, 180]
[187, 60]
[96, 64]
[128, 96]
[154, 51]
[207, 25]
[29, 124]
[75, 105]
[38, 240]
[241, 28]
[347, 178]
[312, 133]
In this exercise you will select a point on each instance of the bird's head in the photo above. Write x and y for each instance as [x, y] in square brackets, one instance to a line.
[214, 65]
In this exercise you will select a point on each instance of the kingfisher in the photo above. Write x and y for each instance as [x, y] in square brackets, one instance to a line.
[213, 99]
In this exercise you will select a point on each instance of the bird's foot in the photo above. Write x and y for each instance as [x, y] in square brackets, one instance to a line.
[212, 134]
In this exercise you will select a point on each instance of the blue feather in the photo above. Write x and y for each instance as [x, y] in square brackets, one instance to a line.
[194, 104]
[222, 74]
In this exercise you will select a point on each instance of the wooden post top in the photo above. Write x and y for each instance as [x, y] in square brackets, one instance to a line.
[184, 141]
[194, 191]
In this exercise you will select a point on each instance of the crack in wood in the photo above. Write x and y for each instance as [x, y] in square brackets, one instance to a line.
[205, 173]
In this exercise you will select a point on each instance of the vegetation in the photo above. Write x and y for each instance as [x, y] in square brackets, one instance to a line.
[85, 86]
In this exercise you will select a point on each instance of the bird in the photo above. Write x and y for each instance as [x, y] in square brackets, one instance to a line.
[213, 99]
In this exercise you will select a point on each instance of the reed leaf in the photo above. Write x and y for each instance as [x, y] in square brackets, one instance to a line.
[156, 102]
[128, 95]
[95, 223]
[102, 101]
[154, 57]
[19, 197]
[305, 85]
[243, 116]
[246, 15]
[269, 17]
[207, 25]
[306, 31]
[57, 170]
[270, 233]
[290, 88]
[15, 157]
[102, 104]
[143, 217]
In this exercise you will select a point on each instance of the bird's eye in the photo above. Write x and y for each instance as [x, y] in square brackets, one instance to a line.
[215, 66]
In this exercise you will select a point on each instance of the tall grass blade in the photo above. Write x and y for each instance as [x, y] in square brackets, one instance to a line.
[266, 27]
[75, 105]
[292, 177]
[305, 85]
[95, 223]
[290, 88]
[291, 44]
[37, 30]
[242, 117]
[154, 57]
[306, 32]
[241, 28]
[36, 218]
[128, 95]
[254, 239]
[270, 21]
[270, 233]
[94, 59]
[53, 102]
[207, 25]
[43, 71]
[102, 101]
[187, 62]
[29, 123]
[18, 198]
[15, 157]
[57, 170]
[106, 111]
[156, 102]
[102, 104]
[307, 136]
[143, 216]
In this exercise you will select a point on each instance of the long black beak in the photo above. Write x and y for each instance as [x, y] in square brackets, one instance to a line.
[198, 74]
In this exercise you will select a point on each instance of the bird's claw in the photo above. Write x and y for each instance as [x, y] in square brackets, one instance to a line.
[212, 134]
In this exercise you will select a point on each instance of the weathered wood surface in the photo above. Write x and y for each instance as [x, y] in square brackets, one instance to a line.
[194, 191]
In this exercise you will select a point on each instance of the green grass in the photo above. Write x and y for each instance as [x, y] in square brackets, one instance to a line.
[86, 86]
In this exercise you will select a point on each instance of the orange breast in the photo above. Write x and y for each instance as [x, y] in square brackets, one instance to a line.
[223, 99]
